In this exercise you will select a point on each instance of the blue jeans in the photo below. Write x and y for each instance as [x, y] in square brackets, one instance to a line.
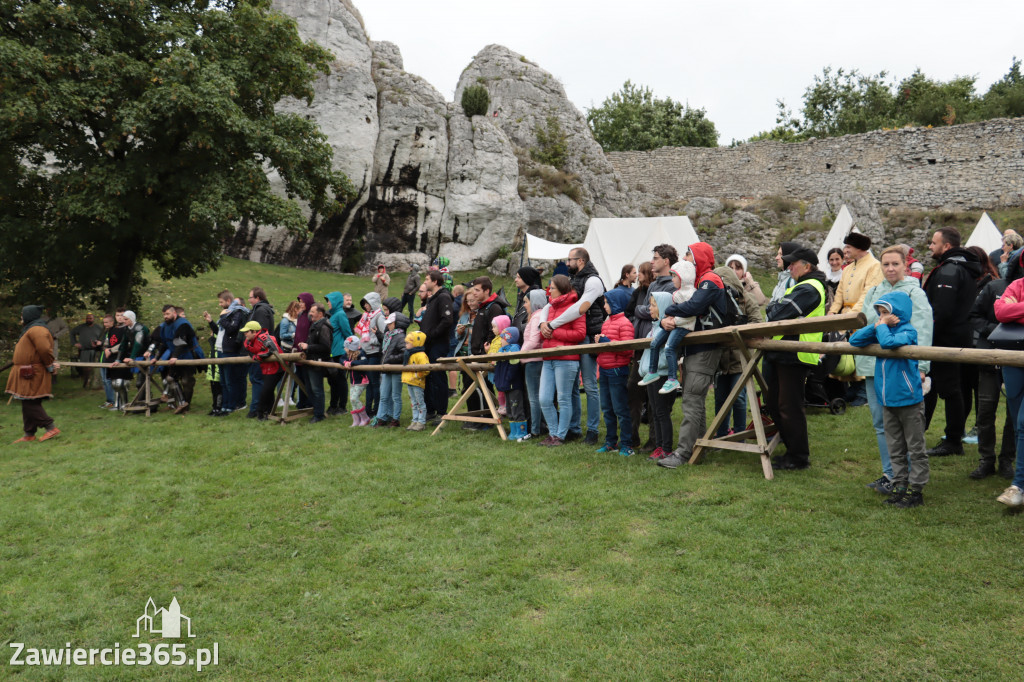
[390, 397]
[672, 343]
[615, 405]
[588, 366]
[108, 390]
[532, 372]
[256, 379]
[877, 422]
[558, 380]
[315, 384]
[723, 386]
[419, 405]
[1013, 380]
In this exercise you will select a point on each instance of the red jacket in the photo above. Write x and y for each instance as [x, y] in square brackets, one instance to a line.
[568, 334]
[616, 328]
[260, 348]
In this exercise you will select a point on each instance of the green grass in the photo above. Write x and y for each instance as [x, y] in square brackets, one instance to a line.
[324, 552]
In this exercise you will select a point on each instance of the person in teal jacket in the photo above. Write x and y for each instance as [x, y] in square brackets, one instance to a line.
[337, 380]
[894, 268]
[898, 386]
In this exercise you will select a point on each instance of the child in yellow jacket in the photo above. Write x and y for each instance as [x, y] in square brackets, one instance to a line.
[416, 381]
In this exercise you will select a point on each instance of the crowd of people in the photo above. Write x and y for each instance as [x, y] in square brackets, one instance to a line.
[969, 299]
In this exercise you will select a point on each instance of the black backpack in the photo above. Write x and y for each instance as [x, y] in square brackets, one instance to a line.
[734, 314]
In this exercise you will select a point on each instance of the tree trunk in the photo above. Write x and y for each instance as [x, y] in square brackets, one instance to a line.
[121, 286]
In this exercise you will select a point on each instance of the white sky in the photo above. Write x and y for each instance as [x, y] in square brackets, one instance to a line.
[733, 58]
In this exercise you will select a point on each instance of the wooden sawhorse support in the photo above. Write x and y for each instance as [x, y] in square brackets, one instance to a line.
[284, 389]
[478, 416]
[143, 400]
[735, 442]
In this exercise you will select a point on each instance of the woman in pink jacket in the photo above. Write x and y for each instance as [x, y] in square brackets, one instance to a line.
[1009, 308]
[560, 372]
[536, 301]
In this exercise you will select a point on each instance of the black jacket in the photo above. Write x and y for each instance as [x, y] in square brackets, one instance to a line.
[263, 313]
[519, 319]
[482, 335]
[801, 301]
[983, 313]
[232, 324]
[952, 289]
[595, 313]
[437, 319]
[321, 335]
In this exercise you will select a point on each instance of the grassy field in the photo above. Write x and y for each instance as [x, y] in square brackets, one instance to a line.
[323, 552]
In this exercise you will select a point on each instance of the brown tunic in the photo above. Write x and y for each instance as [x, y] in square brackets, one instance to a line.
[34, 348]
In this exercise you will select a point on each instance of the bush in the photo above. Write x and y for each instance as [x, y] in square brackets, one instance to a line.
[475, 101]
[552, 144]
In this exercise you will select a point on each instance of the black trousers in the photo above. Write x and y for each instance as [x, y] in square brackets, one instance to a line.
[786, 405]
[269, 393]
[338, 381]
[33, 416]
[660, 415]
[946, 385]
[436, 393]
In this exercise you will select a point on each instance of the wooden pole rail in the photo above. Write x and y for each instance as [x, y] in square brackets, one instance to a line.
[973, 356]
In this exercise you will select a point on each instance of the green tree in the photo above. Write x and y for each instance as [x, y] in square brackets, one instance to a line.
[634, 119]
[552, 144]
[926, 102]
[846, 102]
[134, 130]
[1006, 96]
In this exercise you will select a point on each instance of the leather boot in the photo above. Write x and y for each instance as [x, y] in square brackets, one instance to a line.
[986, 467]
[1007, 467]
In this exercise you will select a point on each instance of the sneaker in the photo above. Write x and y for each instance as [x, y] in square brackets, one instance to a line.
[554, 442]
[971, 437]
[913, 498]
[945, 448]
[52, 433]
[243, 407]
[626, 451]
[882, 485]
[591, 438]
[648, 379]
[106, 406]
[607, 448]
[672, 460]
[395, 424]
[417, 426]
[986, 467]
[656, 455]
[646, 448]
[896, 495]
[670, 385]
[1012, 497]
[316, 420]
[785, 463]
[502, 411]
[525, 438]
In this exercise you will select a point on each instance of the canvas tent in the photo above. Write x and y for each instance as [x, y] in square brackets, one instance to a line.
[613, 242]
[842, 226]
[986, 235]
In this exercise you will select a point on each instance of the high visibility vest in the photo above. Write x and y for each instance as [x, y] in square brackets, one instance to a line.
[819, 311]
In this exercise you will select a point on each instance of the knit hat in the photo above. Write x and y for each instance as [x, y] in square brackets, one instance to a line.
[617, 299]
[501, 322]
[352, 343]
[131, 317]
[510, 335]
[858, 241]
[416, 338]
[251, 326]
[530, 276]
[739, 259]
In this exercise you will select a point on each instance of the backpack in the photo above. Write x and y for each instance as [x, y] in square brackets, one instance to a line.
[734, 314]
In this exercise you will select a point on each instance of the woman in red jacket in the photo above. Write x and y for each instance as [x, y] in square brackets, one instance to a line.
[559, 374]
[1010, 308]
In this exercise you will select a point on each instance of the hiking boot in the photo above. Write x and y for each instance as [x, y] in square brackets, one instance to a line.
[1007, 468]
[913, 498]
[897, 494]
[986, 467]
[553, 442]
[656, 455]
[262, 417]
[668, 387]
[607, 448]
[672, 460]
[648, 379]
[883, 485]
[1012, 497]
[591, 438]
[573, 435]
[395, 424]
[945, 448]
[786, 463]
[646, 448]
[626, 451]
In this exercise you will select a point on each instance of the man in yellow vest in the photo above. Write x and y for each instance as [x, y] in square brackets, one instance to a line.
[785, 399]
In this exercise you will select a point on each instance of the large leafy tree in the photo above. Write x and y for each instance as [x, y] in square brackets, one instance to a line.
[134, 130]
[634, 119]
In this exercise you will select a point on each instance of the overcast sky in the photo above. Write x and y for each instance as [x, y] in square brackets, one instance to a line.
[733, 59]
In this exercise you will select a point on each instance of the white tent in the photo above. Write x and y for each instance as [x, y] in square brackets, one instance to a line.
[842, 226]
[613, 242]
[986, 235]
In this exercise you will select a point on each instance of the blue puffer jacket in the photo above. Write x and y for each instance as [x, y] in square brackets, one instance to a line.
[897, 380]
[921, 318]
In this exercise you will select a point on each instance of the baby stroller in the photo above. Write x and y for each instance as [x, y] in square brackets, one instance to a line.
[823, 389]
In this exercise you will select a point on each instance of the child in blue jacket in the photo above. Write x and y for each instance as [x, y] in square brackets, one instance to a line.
[898, 385]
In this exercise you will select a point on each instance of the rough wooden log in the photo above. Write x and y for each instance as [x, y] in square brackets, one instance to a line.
[974, 356]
